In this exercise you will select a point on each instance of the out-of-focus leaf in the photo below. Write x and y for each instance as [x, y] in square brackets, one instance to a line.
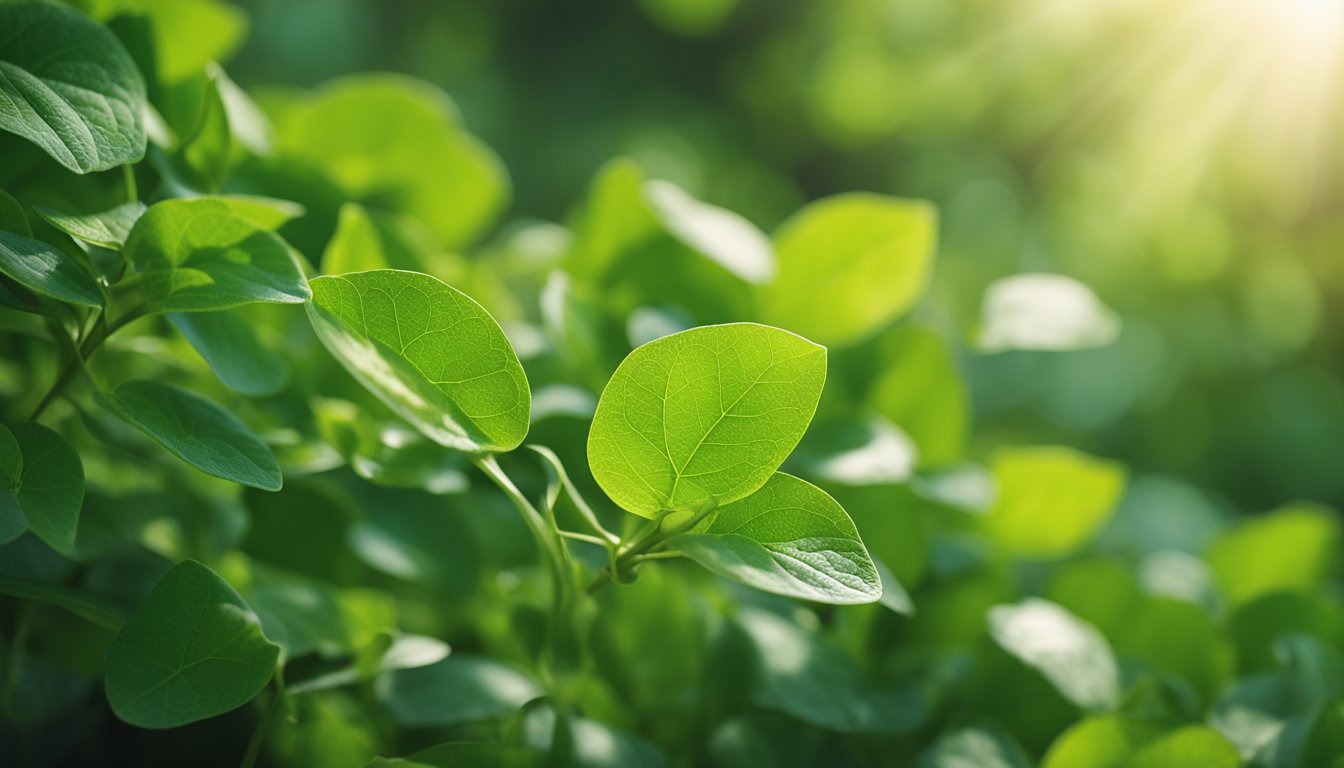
[1051, 501]
[1044, 312]
[51, 489]
[1114, 742]
[724, 237]
[467, 754]
[458, 689]
[872, 452]
[849, 265]
[355, 247]
[975, 747]
[189, 34]
[1295, 547]
[1070, 653]
[920, 389]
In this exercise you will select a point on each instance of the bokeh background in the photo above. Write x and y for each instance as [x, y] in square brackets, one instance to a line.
[1185, 160]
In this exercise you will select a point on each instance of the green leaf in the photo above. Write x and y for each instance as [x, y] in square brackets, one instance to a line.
[68, 86]
[1044, 312]
[402, 652]
[720, 235]
[1051, 501]
[13, 522]
[857, 453]
[195, 430]
[229, 343]
[189, 34]
[193, 650]
[46, 270]
[921, 390]
[391, 453]
[11, 460]
[789, 538]
[79, 602]
[849, 265]
[1069, 652]
[202, 254]
[12, 217]
[978, 747]
[395, 140]
[459, 689]
[433, 355]
[799, 674]
[1295, 547]
[703, 416]
[108, 229]
[51, 490]
[1114, 742]
[356, 246]
[467, 754]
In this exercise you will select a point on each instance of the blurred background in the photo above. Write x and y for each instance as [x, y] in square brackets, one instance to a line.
[1185, 160]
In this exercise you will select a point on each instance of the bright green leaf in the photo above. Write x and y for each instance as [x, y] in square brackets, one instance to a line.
[193, 650]
[356, 246]
[1044, 312]
[68, 85]
[1114, 742]
[51, 491]
[1295, 547]
[200, 255]
[849, 265]
[703, 416]
[199, 432]
[720, 235]
[229, 343]
[108, 229]
[46, 270]
[789, 538]
[433, 355]
[189, 34]
[921, 390]
[1051, 501]
[459, 689]
[1069, 652]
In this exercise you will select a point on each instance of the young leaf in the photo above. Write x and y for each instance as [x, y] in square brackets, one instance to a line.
[51, 490]
[459, 689]
[433, 355]
[1051, 501]
[68, 85]
[196, 431]
[849, 265]
[227, 341]
[789, 538]
[105, 230]
[200, 255]
[703, 416]
[356, 246]
[193, 650]
[46, 270]
[1044, 312]
[1069, 652]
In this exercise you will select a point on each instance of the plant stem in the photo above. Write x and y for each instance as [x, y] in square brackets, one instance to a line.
[95, 339]
[651, 535]
[128, 174]
[267, 719]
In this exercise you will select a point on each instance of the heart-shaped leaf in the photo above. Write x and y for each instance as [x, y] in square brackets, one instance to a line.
[201, 254]
[433, 355]
[46, 270]
[69, 86]
[789, 538]
[193, 650]
[196, 431]
[51, 489]
[703, 416]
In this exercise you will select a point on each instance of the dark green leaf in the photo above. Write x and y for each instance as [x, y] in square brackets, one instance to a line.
[459, 689]
[229, 343]
[46, 270]
[108, 229]
[52, 489]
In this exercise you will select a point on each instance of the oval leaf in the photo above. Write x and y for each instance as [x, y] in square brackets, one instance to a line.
[458, 689]
[108, 229]
[703, 416]
[227, 341]
[1051, 500]
[46, 270]
[1068, 651]
[69, 86]
[428, 351]
[850, 264]
[51, 490]
[202, 254]
[789, 538]
[193, 650]
[196, 431]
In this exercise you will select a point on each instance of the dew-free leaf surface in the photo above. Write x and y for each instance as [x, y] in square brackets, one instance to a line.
[196, 431]
[201, 254]
[192, 650]
[1069, 652]
[428, 351]
[51, 490]
[458, 689]
[229, 343]
[69, 86]
[46, 270]
[1051, 501]
[789, 538]
[107, 229]
[703, 416]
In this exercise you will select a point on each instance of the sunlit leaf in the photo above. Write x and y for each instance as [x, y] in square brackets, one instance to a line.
[69, 86]
[1113, 742]
[1290, 548]
[721, 235]
[192, 650]
[428, 351]
[1070, 653]
[105, 230]
[703, 416]
[1044, 312]
[789, 538]
[1050, 501]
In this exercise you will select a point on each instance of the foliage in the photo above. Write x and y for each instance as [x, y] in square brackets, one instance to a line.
[652, 487]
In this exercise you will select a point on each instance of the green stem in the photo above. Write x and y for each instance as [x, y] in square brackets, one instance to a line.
[651, 535]
[95, 339]
[128, 174]
[263, 727]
